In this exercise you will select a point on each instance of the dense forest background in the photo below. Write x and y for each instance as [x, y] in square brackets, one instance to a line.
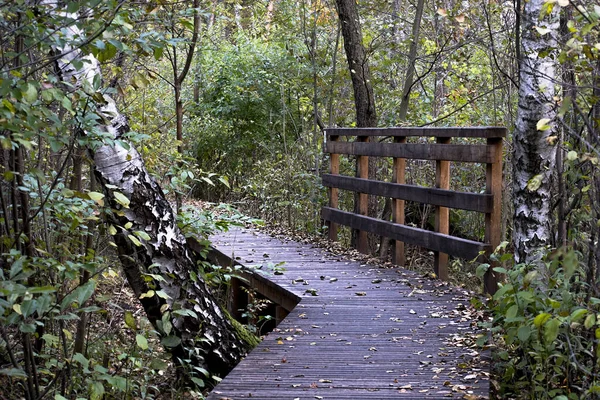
[227, 101]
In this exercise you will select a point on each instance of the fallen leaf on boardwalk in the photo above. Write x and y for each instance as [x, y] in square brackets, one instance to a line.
[325, 380]
[296, 385]
[470, 377]
[280, 342]
[361, 293]
[412, 312]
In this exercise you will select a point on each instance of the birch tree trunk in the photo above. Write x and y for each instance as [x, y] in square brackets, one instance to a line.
[177, 301]
[535, 135]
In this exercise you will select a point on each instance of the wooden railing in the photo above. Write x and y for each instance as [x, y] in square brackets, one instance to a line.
[440, 196]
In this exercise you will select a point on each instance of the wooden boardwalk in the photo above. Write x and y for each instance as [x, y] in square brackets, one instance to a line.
[358, 331]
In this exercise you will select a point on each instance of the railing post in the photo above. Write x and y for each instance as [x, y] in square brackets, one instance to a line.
[399, 172]
[493, 186]
[442, 221]
[362, 242]
[334, 161]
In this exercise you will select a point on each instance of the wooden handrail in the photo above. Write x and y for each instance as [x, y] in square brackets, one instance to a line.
[443, 151]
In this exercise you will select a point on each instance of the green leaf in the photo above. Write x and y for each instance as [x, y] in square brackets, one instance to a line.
[590, 321]
[578, 314]
[30, 94]
[572, 155]
[541, 320]
[135, 240]
[171, 341]
[159, 364]
[97, 197]
[14, 372]
[85, 363]
[85, 292]
[148, 294]
[512, 311]
[59, 397]
[96, 391]
[551, 330]
[141, 341]
[142, 235]
[535, 183]
[130, 320]
[542, 124]
[121, 199]
[524, 333]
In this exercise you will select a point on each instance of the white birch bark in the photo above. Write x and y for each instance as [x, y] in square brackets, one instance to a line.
[534, 148]
[205, 335]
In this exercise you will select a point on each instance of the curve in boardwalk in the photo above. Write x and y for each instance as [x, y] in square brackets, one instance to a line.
[359, 332]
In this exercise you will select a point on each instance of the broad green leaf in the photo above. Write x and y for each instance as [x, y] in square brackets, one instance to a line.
[96, 391]
[14, 372]
[524, 333]
[159, 364]
[141, 341]
[162, 294]
[135, 240]
[121, 199]
[112, 230]
[512, 311]
[542, 124]
[97, 197]
[142, 235]
[572, 155]
[30, 94]
[551, 330]
[81, 360]
[590, 321]
[85, 292]
[149, 293]
[578, 314]
[130, 320]
[17, 308]
[171, 341]
[541, 319]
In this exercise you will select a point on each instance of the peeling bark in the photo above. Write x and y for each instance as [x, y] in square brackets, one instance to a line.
[206, 336]
[534, 150]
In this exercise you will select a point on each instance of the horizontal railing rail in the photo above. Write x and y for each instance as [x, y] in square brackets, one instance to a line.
[442, 151]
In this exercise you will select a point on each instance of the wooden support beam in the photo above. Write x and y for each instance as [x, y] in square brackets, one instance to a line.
[442, 214]
[398, 256]
[334, 161]
[493, 220]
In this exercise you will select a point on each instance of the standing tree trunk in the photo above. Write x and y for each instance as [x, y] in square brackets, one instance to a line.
[360, 73]
[176, 300]
[535, 135]
[364, 102]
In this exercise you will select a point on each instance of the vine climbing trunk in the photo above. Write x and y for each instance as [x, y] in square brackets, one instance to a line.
[535, 134]
[151, 248]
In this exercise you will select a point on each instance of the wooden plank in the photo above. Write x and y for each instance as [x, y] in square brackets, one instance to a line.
[334, 161]
[493, 219]
[362, 242]
[366, 335]
[398, 177]
[441, 132]
[432, 240]
[447, 198]
[477, 153]
[442, 214]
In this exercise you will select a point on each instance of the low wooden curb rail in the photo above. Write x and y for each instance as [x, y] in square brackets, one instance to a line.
[440, 196]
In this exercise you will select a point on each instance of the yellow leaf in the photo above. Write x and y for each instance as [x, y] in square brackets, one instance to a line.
[442, 12]
[460, 18]
[542, 124]
[17, 308]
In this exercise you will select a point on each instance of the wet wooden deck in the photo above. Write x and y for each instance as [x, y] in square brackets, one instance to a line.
[358, 331]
